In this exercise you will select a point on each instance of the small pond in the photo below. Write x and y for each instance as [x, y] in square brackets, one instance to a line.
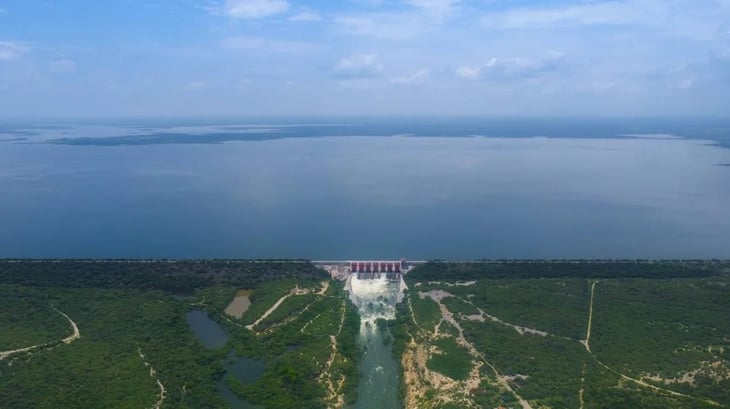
[240, 303]
[209, 332]
[246, 371]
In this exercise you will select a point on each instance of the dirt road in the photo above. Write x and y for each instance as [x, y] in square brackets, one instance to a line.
[76, 334]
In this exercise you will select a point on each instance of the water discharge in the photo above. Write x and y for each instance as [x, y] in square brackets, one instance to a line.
[375, 301]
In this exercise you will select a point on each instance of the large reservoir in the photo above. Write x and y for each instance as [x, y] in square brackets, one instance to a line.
[372, 189]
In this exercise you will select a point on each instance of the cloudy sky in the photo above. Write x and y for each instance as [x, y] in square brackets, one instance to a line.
[118, 58]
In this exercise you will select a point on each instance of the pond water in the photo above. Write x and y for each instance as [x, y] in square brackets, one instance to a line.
[246, 371]
[234, 402]
[209, 332]
[240, 304]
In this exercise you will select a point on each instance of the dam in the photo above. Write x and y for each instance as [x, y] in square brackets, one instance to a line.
[391, 270]
[374, 288]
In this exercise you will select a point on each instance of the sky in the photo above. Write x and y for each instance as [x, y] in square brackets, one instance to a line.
[180, 58]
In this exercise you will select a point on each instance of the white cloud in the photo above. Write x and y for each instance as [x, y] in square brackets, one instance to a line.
[390, 26]
[540, 17]
[468, 73]
[267, 45]
[416, 78]
[360, 66]
[253, 9]
[11, 50]
[511, 68]
[63, 66]
[196, 86]
[685, 18]
[306, 15]
[435, 8]
[409, 24]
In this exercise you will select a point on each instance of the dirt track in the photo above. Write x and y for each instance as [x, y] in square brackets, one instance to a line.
[76, 334]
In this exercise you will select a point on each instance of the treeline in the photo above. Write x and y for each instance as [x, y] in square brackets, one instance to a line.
[179, 277]
[498, 269]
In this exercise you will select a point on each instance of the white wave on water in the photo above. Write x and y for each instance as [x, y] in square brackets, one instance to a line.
[374, 298]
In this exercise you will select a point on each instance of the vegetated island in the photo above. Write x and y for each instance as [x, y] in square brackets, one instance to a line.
[509, 333]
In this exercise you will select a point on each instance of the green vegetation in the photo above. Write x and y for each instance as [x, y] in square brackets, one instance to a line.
[122, 313]
[451, 359]
[671, 333]
[556, 306]
[667, 328]
[513, 269]
[103, 369]
[267, 294]
[291, 306]
[290, 378]
[177, 277]
[426, 312]
[460, 306]
[551, 366]
[38, 324]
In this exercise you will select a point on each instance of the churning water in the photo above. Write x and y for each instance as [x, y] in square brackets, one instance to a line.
[375, 300]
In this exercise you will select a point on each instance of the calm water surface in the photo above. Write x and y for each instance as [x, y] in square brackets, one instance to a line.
[209, 332]
[373, 193]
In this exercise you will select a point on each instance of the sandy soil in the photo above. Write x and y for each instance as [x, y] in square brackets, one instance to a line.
[438, 295]
[335, 399]
[587, 342]
[163, 391]
[239, 305]
[417, 383]
[420, 379]
[715, 370]
[325, 287]
[273, 308]
[295, 291]
[309, 322]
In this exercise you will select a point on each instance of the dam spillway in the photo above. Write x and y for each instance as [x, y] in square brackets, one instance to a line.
[375, 300]
[374, 270]
[391, 270]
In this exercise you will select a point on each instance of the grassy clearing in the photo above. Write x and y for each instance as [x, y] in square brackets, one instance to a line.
[291, 307]
[426, 312]
[451, 359]
[458, 306]
[266, 295]
[557, 306]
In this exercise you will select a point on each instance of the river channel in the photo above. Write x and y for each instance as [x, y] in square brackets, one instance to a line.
[379, 378]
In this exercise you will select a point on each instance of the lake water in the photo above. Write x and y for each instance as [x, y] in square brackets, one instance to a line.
[350, 188]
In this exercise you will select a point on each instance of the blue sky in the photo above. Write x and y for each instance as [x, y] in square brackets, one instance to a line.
[120, 58]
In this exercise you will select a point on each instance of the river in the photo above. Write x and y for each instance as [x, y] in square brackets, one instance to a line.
[379, 382]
